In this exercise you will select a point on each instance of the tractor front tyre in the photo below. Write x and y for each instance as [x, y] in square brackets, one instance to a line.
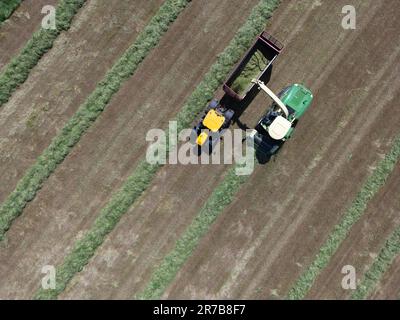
[212, 105]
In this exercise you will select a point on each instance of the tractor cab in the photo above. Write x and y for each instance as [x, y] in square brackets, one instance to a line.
[275, 123]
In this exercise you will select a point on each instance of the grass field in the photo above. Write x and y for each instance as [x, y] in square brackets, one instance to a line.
[77, 192]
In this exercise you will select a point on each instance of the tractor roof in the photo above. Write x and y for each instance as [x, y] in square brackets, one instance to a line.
[279, 128]
[298, 98]
[213, 120]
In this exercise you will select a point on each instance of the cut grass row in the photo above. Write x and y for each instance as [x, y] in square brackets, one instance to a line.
[17, 71]
[388, 253]
[142, 176]
[7, 8]
[370, 188]
[88, 112]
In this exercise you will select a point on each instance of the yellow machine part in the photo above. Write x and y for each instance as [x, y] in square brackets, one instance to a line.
[201, 138]
[213, 120]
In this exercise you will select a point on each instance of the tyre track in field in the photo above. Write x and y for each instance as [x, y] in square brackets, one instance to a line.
[72, 197]
[62, 80]
[258, 236]
[18, 29]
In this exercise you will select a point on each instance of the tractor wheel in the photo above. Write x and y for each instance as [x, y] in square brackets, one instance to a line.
[274, 149]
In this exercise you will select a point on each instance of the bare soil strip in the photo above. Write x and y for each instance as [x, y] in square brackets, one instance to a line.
[18, 29]
[72, 197]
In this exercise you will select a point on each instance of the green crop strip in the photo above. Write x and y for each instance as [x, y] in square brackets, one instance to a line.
[253, 68]
[17, 71]
[373, 183]
[386, 256]
[88, 112]
[142, 176]
[7, 8]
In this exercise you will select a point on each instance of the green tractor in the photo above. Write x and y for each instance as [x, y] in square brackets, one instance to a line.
[278, 124]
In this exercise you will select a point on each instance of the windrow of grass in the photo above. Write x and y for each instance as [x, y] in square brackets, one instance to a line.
[142, 176]
[7, 7]
[17, 71]
[88, 112]
[388, 253]
[370, 188]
